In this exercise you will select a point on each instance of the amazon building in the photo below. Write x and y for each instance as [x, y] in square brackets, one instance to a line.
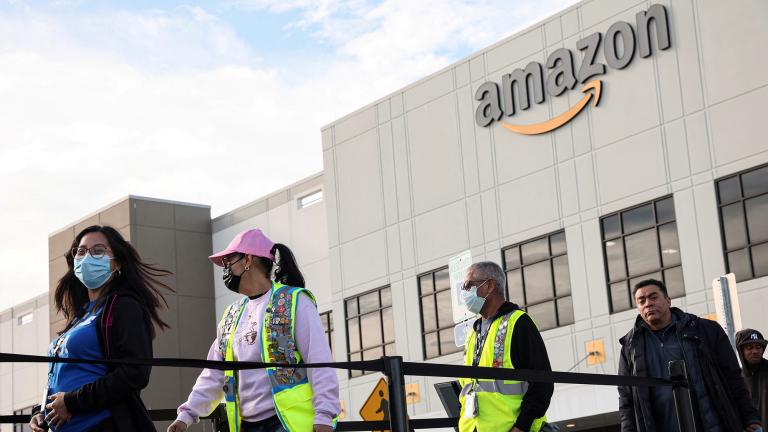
[616, 141]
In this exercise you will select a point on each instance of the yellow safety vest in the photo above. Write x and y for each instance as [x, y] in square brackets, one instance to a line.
[498, 401]
[291, 390]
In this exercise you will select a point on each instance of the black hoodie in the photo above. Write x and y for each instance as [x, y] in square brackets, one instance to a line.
[123, 332]
[755, 378]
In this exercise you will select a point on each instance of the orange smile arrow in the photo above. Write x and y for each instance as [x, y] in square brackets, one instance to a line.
[554, 123]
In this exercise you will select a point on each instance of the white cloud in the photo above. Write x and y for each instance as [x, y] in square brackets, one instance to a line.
[173, 104]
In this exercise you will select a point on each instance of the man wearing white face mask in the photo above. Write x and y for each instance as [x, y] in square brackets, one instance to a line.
[505, 337]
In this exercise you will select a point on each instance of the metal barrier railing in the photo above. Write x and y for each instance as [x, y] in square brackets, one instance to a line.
[395, 370]
[218, 417]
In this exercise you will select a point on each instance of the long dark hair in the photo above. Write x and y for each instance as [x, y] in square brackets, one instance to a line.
[286, 270]
[141, 280]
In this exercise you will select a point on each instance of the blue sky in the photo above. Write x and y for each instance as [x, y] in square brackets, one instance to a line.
[284, 35]
[174, 99]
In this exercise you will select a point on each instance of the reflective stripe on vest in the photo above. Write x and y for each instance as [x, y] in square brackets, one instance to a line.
[498, 386]
[291, 391]
[294, 408]
[499, 401]
[228, 325]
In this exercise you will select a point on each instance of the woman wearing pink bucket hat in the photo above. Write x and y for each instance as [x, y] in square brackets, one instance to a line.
[276, 321]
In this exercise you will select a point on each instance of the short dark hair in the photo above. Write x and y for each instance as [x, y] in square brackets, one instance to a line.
[649, 282]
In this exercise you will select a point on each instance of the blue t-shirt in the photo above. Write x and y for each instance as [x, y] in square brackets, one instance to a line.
[80, 341]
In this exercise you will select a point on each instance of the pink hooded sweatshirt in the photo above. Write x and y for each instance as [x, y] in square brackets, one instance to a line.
[254, 389]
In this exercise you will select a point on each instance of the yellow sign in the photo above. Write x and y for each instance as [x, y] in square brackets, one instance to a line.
[377, 405]
[596, 352]
[412, 395]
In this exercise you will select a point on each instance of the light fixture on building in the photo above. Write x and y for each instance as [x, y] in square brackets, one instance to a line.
[669, 251]
[610, 243]
[570, 425]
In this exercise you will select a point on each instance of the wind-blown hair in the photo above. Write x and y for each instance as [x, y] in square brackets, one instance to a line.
[134, 277]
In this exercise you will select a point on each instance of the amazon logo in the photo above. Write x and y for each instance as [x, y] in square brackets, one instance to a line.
[621, 41]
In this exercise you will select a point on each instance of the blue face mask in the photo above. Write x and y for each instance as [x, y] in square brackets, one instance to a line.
[470, 299]
[93, 272]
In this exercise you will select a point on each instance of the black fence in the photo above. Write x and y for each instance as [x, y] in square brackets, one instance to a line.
[395, 369]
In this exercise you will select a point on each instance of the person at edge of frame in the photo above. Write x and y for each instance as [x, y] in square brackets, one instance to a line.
[110, 299]
[503, 337]
[662, 334]
[751, 345]
[275, 321]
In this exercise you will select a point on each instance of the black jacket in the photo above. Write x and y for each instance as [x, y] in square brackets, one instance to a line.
[756, 380]
[123, 332]
[528, 352]
[705, 341]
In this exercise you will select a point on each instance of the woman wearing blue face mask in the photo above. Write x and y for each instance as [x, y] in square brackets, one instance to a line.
[110, 299]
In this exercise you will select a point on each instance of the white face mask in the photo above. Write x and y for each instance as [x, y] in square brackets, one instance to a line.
[470, 298]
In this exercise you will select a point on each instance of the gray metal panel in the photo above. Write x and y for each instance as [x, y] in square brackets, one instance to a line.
[732, 56]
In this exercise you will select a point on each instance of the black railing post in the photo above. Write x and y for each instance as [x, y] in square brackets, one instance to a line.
[220, 420]
[398, 419]
[682, 394]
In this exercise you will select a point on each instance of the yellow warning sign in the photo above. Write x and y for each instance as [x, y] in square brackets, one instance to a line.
[412, 394]
[595, 352]
[377, 405]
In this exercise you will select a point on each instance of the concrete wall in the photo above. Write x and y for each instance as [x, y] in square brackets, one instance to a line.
[23, 330]
[412, 180]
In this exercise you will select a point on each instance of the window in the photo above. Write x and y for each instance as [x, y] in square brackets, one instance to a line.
[22, 427]
[25, 319]
[309, 199]
[436, 314]
[327, 319]
[538, 279]
[370, 329]
[641, 243]
[743, 203]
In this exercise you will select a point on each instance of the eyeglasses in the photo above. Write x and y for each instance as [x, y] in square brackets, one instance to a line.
[468, 284]
[96, 251]
[227, 260]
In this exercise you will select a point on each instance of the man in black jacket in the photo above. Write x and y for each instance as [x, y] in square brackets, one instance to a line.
[751, 346]
[662, 334]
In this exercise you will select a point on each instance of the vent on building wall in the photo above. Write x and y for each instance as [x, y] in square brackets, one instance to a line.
[25, 319]
[310, 199]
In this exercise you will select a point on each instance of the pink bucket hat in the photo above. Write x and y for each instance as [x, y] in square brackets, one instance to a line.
[251, 242]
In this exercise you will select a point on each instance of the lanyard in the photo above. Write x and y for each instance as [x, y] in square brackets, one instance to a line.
[480, 342]
[61, 340]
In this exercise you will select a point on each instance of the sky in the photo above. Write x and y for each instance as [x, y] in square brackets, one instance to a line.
[215, 103]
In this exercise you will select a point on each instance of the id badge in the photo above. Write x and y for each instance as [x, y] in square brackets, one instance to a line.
[230, 389]
[470, 405]
[44, 402]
